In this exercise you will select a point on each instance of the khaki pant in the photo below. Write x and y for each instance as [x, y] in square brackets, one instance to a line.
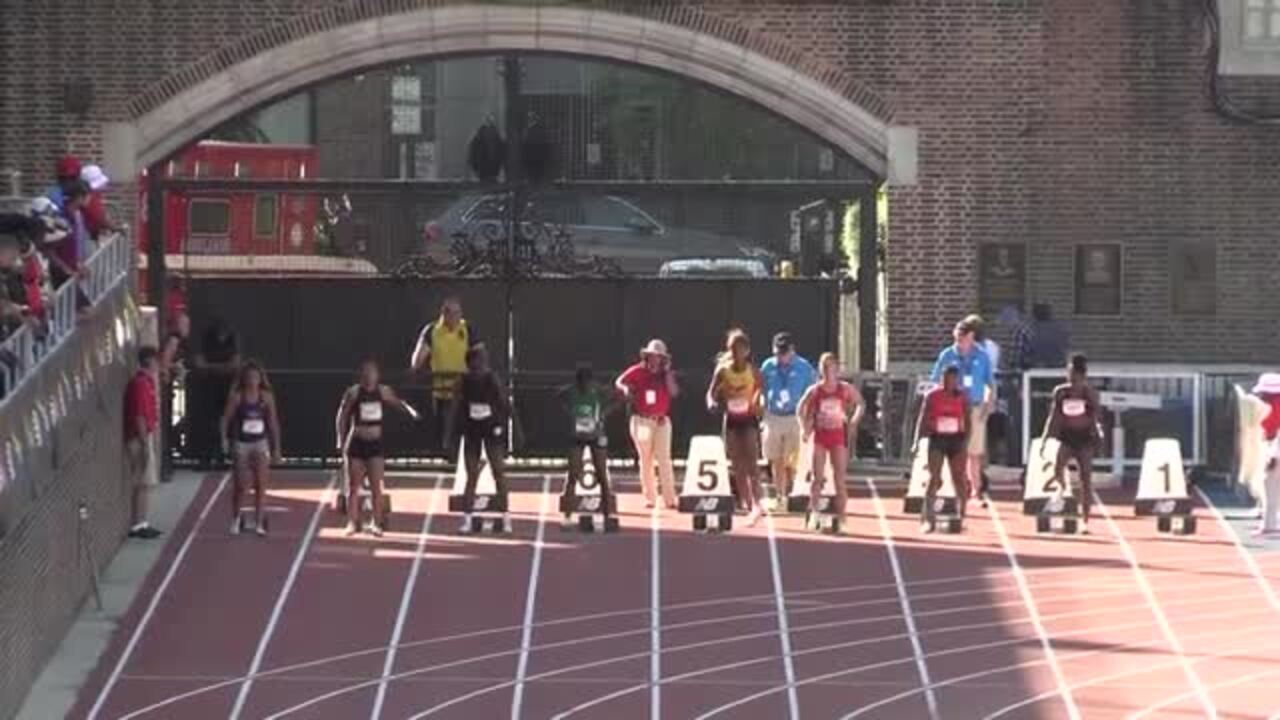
[1271, 489]
[137, 453]
[652, 439]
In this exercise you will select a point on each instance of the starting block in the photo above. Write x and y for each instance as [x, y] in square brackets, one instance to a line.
[918, 481]
[488, 506]
[366, 501]
[1162, 487]
[705, 492]
[1039, 486]
[946, 515]
[246, 522]
[588, 502]
[823, 517]
[1059, 513]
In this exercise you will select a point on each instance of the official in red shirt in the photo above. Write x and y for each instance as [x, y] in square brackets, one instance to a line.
[649, 387]
[1268, 390]
[141, 420]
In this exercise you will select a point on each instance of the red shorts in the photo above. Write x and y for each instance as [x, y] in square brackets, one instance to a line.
[830, 439]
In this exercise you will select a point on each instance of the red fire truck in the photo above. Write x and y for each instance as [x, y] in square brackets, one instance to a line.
[224, 233]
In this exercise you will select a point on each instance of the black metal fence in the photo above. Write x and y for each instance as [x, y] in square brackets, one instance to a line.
[311, 334]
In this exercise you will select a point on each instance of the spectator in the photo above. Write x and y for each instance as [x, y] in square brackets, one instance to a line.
[67, 254]
[14, 308]
[67, 173]
[442, 347]
[1040, 342]
[175, 359]
[97, 221]
[219, 363]
[141, 420]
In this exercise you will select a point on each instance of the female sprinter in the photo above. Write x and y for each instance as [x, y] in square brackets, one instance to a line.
[360, 440]
[944, 419]
[479, 416]
[829, 413]
[251, 430]
[736, 385]
[1073, 421]
[589, 404]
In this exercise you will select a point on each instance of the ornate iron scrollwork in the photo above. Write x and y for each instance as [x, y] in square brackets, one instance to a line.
[484, 249]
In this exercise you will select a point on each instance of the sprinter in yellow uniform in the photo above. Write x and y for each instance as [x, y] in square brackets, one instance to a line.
[737, 388]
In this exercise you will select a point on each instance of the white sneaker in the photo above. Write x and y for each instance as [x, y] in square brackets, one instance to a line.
[375, 530]
[506, 524]
[926, 526]
[235, 526]
[351, 529]
[753, 517]
[260, 530]
[465, 528]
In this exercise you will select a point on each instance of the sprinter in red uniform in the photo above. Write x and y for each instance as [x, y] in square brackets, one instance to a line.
[829, 413]
[944, 419]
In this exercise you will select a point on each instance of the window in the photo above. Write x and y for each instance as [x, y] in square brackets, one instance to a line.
[616, 213]
[209, 217]
[1262, 22]
[264, 216]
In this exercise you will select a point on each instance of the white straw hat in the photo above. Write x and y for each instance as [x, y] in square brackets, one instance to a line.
[1268, 384]
[655, 347]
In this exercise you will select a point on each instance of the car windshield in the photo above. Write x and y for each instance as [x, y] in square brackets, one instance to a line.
[614, 212]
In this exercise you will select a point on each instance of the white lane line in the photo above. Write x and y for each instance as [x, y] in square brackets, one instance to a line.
[784, 631]
[256, 664]
[406, 599]
[156, 597]
[1051, 656]
[530, 604]
[1161, 619]
[655, 614]
[593, 617]
[922, 667]
[1243, 680]
[1250, 561]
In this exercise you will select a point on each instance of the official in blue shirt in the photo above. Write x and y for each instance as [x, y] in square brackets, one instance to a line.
[786, 378]
[978, 377]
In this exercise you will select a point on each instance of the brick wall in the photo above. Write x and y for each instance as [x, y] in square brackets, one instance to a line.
[43, 577]
[1053, 122]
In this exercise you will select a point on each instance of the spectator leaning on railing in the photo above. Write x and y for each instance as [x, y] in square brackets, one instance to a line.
[97, 221]
[15, 309]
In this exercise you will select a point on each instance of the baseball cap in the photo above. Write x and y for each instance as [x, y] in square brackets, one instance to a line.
[94, 177]
[783, 342]
[69, 167]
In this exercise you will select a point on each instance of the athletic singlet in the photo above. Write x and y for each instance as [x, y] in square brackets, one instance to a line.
[739, 390]
[587, 408]
[945, 412]
[829, 408]
[250, 420]
[480, 404]
[1074, 406]
[367, 409]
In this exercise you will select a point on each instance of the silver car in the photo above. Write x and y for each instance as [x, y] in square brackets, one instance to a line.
[608, 226]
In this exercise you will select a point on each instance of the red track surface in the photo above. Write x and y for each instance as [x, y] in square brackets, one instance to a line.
[1106, 626]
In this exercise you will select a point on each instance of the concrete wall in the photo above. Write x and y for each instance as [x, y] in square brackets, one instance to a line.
[61, 444]
[1049, 122]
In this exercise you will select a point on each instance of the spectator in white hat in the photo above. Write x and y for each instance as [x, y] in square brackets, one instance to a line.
[649, 387]
[95, 210]
[1267, 389]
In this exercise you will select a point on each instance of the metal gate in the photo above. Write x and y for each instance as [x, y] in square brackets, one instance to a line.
[311, 334]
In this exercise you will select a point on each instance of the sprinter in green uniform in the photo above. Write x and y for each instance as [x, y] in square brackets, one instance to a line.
[589, 404]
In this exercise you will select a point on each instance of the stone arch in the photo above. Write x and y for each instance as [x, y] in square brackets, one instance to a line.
[364, 33]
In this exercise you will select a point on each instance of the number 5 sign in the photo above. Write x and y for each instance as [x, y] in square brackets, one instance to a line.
[706, 474]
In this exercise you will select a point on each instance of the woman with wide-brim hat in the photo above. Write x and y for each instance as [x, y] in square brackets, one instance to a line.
[1267, 389]
[649, 386]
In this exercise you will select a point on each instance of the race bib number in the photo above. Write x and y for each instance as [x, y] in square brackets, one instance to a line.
[650, 397]
[831, 411]
[585, 425]
[1073, 408]
[948, 425]
[371, 411]
[253, 426]
[481, 411]
[739, 406]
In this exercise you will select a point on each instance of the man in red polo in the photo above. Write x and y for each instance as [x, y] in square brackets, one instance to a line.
[140, 423]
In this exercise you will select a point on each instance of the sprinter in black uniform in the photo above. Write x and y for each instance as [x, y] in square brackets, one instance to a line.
[479, 418]
[1073, 421]
[251, 433]
[360, 440]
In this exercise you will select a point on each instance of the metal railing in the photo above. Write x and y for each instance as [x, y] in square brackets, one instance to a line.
[22, 352]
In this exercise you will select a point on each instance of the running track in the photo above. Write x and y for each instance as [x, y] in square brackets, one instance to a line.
[656, 621]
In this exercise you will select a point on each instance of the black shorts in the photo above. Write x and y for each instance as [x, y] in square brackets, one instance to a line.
[589, 442]
[1078, 439]
[949, 445]
[362, 449]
